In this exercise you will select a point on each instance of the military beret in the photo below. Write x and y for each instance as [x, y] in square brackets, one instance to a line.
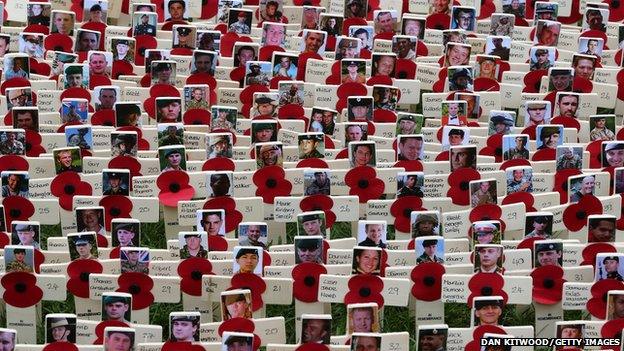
[505, 119]
[308, 243]
[184, 31]
[245, 251]
[479, 304]
[360, 102]
[546, 247]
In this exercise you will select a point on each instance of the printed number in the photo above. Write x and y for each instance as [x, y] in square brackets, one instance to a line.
[277, 288]
[517, 261]
[517, 290]
[143, 209]
[344, 209]
[511, 215]
[578, 277]
[400, 262]
[393, 291]
[44, 211]
[271, 331]
[166, 289]
[52, 286]
[394, 346]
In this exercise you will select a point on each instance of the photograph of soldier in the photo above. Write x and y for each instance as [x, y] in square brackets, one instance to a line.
[429, 249]
[134, 260]
[193, 244]
[424, 223]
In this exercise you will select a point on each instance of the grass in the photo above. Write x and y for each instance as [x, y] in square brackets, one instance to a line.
[395, 319]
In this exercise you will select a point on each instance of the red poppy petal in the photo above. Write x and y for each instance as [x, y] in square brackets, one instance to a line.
[21, 289]
[592, 249]
[99, 329]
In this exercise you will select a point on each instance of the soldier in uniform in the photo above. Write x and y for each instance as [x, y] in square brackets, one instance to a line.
[320, 185]
[460, 80]
[353, 76]
[145, 28]
[221, 122]
[193, 247]
[18, 265]
[171, 138]
[83, 247]
[488, 311]
[256, 76]
[483, 195]
[198, 100]
[184, 328]
[240, 27]
[425, 224]
[291, 96]
[541, 60]
[312, 224]
[384, 99]
[600, 131]
[484, 233]
[611, 265]
[548, 254]
[488, 258]
[432, 339]
[429, 255]
[540, 226]
[308, 146]
[183, 38]
[12, 146]
[116, 186]
[520, 151]
[115, 308]
[220, 146]
[132, 264]
[406, 124]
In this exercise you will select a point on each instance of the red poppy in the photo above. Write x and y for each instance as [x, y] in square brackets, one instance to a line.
[405, 69]
[363, 182]
[126, 162]
[440, 21]
[40, 68]
[191, 271]
[312, 163]
[13, 163]
[486, 284]
[78, 272]
[306, 280]
[597, 305]
[485, 212]
[365, 288]
[177, 346]
[410, 165]
[494, 147]
[561, 183]
[217, 243]
[233, 216]
[115, 206]
[121, 67]
[103, 118]
[303, 61]
[219, 164]
[143, 42]
[521, 197]
[592, 249]
[595, 153]
[20, 289]
[58, 42]
[174, 187]
[479, 333]
[99, 329]
[139, 285]
[320, 203]
[66, 185]
[547, 284]
[271, 182]
[575, 215]
[240, 325]
[312, 346]
[60, 346]
[17, 208]
[254, 283]
[544, 155]
[427, 278]
[401, 210]
[612, 329]
[459, 182]
[33, 144]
